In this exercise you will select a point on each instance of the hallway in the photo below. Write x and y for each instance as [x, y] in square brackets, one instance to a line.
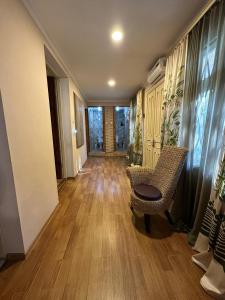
[91, 250]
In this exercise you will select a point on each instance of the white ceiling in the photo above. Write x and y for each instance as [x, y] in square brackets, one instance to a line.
[80, 30]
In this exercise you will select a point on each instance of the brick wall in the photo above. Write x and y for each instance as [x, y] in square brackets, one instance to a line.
[109, 129]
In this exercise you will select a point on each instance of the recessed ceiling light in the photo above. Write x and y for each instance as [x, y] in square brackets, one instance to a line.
[117, 36]
[111, 82]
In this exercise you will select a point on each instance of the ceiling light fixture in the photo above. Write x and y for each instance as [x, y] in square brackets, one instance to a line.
[111, 82]
[117, 36]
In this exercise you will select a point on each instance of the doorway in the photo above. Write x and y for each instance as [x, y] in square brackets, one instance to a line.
[107, 130]
[96, 135]
[121, 128]
[55, 127]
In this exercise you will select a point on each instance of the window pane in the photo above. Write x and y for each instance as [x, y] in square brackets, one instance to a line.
[95, 118]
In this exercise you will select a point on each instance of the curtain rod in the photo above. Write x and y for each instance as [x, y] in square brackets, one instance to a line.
[192, 24]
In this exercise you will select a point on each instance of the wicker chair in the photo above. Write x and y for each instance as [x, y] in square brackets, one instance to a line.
[165, 178]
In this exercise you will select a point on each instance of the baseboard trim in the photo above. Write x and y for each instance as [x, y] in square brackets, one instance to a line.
[71, 178]
[61, 184]
[32, 246]
[13, 257]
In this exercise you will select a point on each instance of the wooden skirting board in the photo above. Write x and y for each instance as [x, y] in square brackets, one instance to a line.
[108, 154]
[13, 257]
[36, 240]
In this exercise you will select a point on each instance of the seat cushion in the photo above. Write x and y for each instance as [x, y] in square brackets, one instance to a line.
[147, 192]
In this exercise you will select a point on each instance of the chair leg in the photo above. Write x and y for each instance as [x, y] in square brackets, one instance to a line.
[169, 217]
[147, 223]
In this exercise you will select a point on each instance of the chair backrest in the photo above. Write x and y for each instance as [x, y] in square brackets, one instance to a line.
[168, 169]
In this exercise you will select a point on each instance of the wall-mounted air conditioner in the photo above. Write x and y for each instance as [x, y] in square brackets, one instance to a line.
[158, 71]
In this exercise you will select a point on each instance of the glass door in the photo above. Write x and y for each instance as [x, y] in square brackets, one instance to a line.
[121, 128]
[95, 120]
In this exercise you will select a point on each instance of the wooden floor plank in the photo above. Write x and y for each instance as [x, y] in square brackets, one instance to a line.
[94, 248]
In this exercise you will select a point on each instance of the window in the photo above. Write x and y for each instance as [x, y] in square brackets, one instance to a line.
[95, 119]
[201, 105]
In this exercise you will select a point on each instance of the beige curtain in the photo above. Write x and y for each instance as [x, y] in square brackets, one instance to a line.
[173, 94]
[133, 107]
[211, 240]
[138, 131]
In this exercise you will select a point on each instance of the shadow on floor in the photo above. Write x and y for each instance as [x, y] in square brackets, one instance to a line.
[160, 228]
[9, 265]
[108, 154]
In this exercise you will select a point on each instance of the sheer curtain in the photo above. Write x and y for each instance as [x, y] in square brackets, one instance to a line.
[211, 240]
[133, 107]
[138, 131]
[203, 112]
[173, 94]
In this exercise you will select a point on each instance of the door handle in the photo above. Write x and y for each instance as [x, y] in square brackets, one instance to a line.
[153, 143]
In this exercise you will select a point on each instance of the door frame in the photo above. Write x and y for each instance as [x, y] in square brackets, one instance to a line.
[114, 127]
[55, 125]
[87, 130]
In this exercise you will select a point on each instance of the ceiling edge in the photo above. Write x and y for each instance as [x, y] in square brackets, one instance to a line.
[52, 49]
[123, 102]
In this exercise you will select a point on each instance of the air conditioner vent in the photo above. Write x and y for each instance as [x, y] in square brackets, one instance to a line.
[157, 72]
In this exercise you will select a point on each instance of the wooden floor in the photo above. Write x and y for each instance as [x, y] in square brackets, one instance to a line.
[108, 154]
[91, 248]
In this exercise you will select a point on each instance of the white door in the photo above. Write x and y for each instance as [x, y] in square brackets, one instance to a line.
[152, 126]
[149, 128]
[158, 118]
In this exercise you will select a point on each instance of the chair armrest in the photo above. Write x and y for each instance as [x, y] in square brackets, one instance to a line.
[139, 175]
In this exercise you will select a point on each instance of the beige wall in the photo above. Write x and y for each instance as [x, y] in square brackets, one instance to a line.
[73, 158]
[23, 85]
[79, 154]
[11, 240]
[66, 129]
